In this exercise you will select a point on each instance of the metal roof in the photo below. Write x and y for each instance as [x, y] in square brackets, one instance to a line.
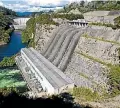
[54, 76]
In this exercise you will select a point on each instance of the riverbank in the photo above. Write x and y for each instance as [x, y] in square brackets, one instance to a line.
[2, 43]
[13, 47]
[9, 33]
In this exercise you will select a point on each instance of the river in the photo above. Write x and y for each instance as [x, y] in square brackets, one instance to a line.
[13, 46]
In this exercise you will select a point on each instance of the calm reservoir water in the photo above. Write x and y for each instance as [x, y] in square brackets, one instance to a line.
[13, 47]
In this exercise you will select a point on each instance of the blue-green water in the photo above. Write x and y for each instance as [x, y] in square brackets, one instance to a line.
[13, 46]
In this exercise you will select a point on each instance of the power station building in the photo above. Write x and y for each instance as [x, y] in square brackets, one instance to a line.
[41, 74]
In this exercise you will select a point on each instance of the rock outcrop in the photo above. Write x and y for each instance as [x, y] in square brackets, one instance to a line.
[42, 35]
[101, 16]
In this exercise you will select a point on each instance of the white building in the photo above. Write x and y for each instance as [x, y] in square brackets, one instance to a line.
[52, 80]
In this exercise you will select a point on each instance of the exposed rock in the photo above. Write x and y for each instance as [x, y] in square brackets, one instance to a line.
[97, 13]
[100, 43]
[101, 16]
[87, 73]
[115, 12]
[42, 35]
[105, 51]
[102, 32]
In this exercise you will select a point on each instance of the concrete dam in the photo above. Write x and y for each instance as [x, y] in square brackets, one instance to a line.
[20, 23]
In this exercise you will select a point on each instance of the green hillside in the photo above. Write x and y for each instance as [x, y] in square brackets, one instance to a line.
[84, 6]
[6, 18]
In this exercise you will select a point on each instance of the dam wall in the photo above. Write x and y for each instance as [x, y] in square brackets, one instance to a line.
[20, 23]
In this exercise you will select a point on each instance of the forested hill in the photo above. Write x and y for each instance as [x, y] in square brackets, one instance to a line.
[6, 11]
[6, 18]
[83, 6]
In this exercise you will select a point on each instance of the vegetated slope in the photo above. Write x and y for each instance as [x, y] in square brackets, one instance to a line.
[29, 33]
[7, 11]
[84, 6]
[6, 16]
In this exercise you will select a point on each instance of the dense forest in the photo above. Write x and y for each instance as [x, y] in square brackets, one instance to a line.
[68, 16]
[6, 18]
[7, 11]
[84, 6]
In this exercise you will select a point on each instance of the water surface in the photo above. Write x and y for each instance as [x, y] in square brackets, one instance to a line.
[13, 47]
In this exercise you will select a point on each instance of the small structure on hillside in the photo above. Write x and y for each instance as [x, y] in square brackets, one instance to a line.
[79, 23]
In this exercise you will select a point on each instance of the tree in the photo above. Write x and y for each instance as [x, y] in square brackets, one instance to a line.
[6, 16]
[117, 21]
[82, 3]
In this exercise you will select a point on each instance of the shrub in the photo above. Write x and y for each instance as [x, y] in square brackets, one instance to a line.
[117, 22]
[7, 61]
[85, 94]
[114, 80]
[68, 16]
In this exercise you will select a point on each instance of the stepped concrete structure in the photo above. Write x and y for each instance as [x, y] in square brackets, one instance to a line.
[41, 74]
[20, 23]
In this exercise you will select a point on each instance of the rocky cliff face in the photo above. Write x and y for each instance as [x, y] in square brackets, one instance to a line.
[86, 66]
[97, 47]
[102, 43]
[101, 16]
[42, 36]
